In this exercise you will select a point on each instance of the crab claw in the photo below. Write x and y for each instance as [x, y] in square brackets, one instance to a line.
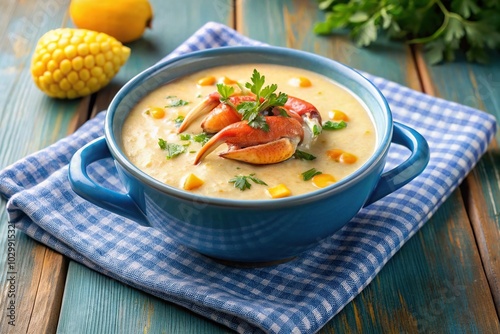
[310, 116]
[204, 107]
[219, 115]
[256, 146]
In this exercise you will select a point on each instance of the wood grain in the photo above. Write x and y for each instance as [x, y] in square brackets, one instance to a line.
[30, 121]
[477, 86]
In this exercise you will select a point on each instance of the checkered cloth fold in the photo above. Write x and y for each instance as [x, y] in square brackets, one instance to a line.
[295, 297]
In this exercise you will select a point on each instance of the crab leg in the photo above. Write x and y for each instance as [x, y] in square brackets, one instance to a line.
[203, 108]
[257, 146]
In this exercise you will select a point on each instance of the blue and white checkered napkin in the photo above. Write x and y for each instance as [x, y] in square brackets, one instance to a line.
[296, 297]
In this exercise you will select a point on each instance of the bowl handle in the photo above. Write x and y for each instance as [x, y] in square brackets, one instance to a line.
[87, 188]
[409, 169]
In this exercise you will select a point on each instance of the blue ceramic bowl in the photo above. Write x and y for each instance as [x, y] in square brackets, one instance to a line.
[256, 230]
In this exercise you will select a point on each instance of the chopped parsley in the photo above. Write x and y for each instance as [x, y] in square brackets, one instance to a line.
[175, 102]
[242, 182]
[301, 155]
[201, 138]
[178, 121]
[309, 174]
[251, 110]
[329, 125]
[172, 149]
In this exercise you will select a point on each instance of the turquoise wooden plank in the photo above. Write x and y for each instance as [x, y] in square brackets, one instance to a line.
[30, 121]
[478, 86]
[403, 307]
[290, 24]
[93, 303]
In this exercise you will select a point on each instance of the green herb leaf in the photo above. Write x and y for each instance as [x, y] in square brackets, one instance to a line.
[309, 174]
[177, 103]
[329, 125]
[242, 182]
[178, 121]
[162, 143]
[225, 91]
[265, 98]
[172, 149]
[301, 155]
[444, 27]
[202, 138]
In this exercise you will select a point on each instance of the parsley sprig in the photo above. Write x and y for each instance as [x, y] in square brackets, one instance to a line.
[265, 98]
[443, 27]
[242, 181]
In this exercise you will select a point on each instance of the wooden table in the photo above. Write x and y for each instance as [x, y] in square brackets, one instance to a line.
[446, 279]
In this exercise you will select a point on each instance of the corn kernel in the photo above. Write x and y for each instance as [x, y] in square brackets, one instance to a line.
[109, 55]
[38, 68]
[105, 47]
[62, 43]
[51, 47]
[228, 81]
[84, 74]
[300, 82]
[342, 156]
[206, 81]
[192, 182]
[70, 51]
[93, 84]
[348, 158]
[57, 75]
[156, 112]
[65, 66]
[322, 180]
[89, 61]
[279, 191]
[338, 115]
[83, 50]
[95, 48]
[70, 63]
[78, 86]
[72, 77]
[52, 65]
[77, 63]
[96, 71]
[58, 55]
[76, 40]
[99, 59]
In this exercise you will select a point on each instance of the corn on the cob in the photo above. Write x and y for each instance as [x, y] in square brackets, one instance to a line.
[71, 63]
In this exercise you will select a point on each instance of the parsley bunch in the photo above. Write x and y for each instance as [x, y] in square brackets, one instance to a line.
[443, 26]
[265, 98]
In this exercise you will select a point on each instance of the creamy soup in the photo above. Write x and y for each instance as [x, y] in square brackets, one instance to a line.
[151, 140]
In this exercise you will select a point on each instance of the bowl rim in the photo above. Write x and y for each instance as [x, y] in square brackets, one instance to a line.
[308, 197]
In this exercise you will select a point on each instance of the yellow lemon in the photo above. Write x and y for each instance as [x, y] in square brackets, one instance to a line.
[71, 63]
[125, 20]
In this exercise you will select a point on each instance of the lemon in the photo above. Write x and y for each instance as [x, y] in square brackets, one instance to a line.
[71, 63]
[126, 20]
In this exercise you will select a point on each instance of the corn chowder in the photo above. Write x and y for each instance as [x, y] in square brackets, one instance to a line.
[209, 134]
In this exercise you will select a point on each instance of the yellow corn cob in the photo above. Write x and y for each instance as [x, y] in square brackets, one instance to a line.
[71, 63]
